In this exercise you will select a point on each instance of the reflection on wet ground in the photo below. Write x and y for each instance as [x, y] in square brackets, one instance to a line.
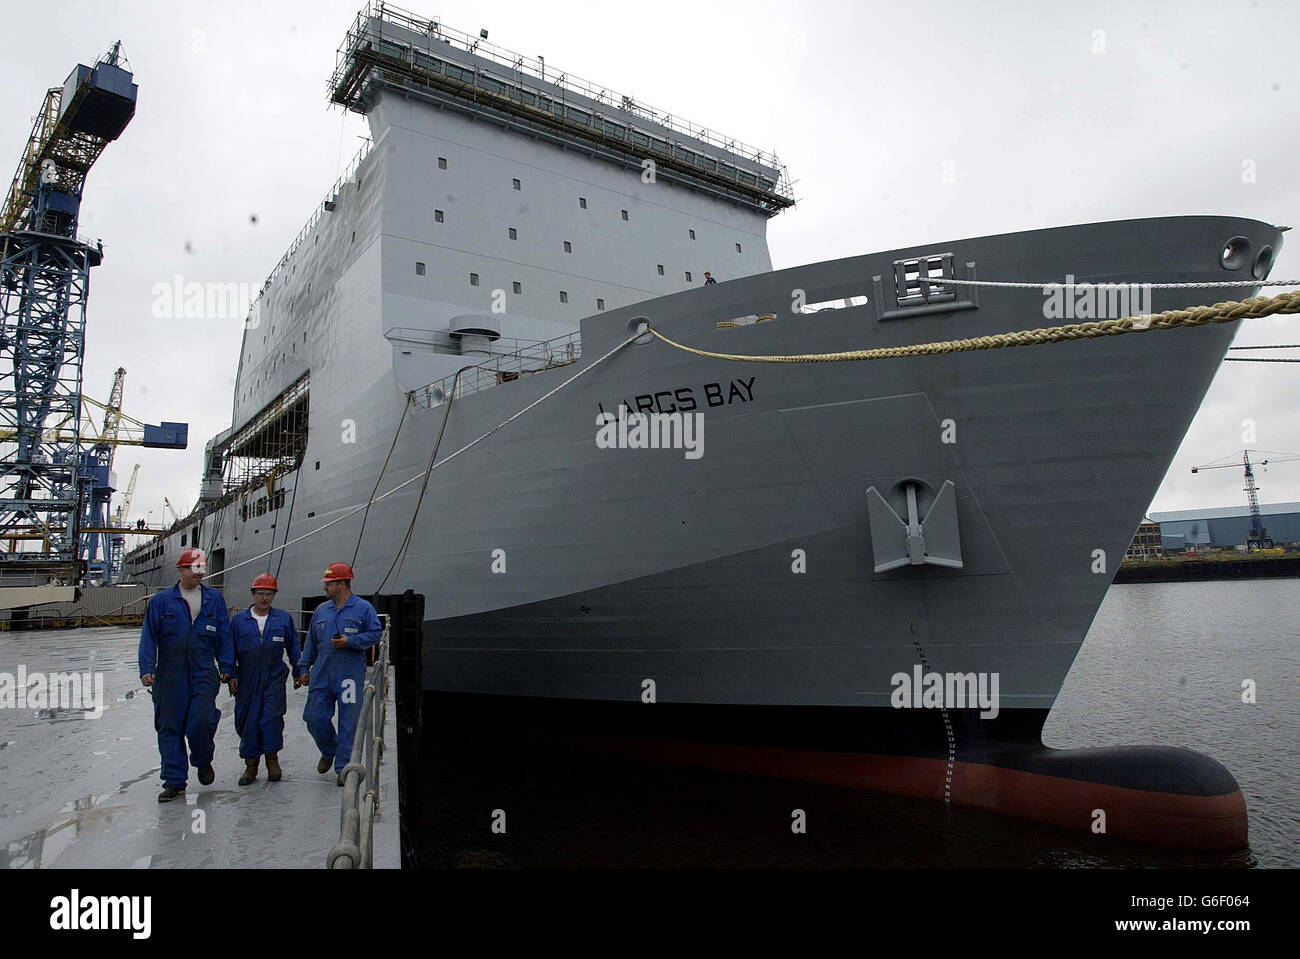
[79, 792]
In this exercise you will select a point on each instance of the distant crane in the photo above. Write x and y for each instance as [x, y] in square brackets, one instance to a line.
[122, 516]
[1258, 538]
[97, 488]
[117, 540]
[171, 509]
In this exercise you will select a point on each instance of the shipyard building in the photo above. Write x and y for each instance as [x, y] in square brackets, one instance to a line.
[1226, 527]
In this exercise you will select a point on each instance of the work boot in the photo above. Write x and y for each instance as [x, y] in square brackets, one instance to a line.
[170, 792]
[250, 772]
[273, 767]
[325, 763]
[206, 775]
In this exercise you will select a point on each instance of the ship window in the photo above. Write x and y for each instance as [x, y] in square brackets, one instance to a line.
[688, 276]
[624, 212]
[568, 247]
[318, 464]
[473, 279]
[582, 202]
[311, 514]
[661, 269]
[737, 247]
[564, 297]
[354, 236]
[517, 185]
[182, 539]
[692, 232]
[419, 268]
[518, 287]
[600, 304]
[437, 216]
[514, 234]
[442, 163]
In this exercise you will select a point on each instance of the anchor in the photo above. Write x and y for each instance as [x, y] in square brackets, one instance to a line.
[898, 540]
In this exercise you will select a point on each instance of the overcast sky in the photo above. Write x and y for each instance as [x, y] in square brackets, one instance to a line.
[1048, 115]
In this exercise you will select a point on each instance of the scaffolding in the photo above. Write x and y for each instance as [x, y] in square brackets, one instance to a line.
[389, 47]
[272, 443]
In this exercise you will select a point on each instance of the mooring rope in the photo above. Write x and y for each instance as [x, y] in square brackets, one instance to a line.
[1228, 312]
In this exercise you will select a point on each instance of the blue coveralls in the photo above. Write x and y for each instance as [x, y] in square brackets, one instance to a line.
[337, 674]
[260, 700]
[183, 658]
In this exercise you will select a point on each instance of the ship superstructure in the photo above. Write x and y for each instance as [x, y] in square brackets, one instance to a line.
[495, 206]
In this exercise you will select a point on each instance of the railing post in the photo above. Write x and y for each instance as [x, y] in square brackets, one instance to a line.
[356, 817]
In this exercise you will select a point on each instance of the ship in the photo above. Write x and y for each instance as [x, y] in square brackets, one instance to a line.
[505, 249]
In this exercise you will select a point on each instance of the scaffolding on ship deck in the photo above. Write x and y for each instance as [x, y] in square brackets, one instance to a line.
[272, 443]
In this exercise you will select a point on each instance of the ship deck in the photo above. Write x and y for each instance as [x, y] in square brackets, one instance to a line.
[82, 792]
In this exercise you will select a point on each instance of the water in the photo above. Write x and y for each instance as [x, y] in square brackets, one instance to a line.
[1163, 664]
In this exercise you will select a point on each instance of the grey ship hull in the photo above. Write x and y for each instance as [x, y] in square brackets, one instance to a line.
[1059, 451]
[628, 565]
[623, 565]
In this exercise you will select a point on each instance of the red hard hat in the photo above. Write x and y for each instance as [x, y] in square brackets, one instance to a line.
[265, 581]
[193, 558]
[337, 572]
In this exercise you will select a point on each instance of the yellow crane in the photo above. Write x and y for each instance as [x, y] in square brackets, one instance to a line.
[123, 514]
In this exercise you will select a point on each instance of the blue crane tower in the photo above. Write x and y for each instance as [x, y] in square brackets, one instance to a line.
[1258, 538]
[44, 282]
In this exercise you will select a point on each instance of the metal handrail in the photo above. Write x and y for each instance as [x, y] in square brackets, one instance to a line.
[538, 356]
[355, 848]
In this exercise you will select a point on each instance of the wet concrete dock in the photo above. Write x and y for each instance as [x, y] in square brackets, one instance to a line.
[82, 792]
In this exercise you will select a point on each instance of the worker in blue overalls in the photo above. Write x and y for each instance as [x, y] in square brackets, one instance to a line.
[262, 637]
[185, 654]
[333, 667]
